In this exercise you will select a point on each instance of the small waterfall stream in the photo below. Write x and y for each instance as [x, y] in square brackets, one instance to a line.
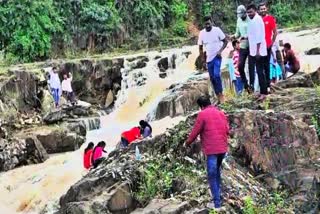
[31, 188]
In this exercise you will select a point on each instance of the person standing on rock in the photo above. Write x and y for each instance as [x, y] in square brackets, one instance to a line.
[271, 33]
[258, 48]
[213, 127]
[55, 85]
[242, 35]
[214, 41]
[67, 88]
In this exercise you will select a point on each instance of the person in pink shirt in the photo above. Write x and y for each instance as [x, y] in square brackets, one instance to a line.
[97, 154]
[212, 126]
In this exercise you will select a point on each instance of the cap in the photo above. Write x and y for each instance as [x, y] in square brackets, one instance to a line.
[241, 10]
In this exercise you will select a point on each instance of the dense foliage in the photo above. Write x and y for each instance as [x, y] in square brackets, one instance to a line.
[36, 29]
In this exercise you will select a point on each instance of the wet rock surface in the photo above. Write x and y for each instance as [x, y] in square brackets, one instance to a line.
[18, 152]
[181, 98]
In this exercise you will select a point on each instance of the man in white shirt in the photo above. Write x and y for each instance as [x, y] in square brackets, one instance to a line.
[258, 47]
[55, 85]
[214, 41]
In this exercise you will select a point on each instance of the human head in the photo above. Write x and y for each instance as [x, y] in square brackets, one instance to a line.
[263, 9]
[242, 12]
[101, 144]
[54, 69]
[207, 23]
[203, 101]
[236, 44]
[143, 124]
[251, 10]
[90, 146]
[287, 46]
[65, 76]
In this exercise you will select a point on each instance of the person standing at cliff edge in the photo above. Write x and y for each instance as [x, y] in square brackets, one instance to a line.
[214, 41]
[213, 127]
[270, 34]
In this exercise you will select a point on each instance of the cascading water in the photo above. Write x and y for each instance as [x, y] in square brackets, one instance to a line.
[30, 188]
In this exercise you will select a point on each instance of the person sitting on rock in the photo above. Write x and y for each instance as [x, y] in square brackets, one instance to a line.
[97, 154]
[213, 127]
[55, 85]
[87, 163]
[67, 88]
[145, 129]
[129, 136]
[291, 62]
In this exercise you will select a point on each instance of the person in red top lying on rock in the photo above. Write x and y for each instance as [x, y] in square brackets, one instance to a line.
[129, 136]
[213, 127]
[87, 156]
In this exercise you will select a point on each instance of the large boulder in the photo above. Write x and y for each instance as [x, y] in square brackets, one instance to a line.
[182, 98]
[19, 152]
[57, 140]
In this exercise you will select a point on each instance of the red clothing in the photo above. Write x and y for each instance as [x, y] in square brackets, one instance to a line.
[131, 135]
[235, 59]
[270, 25]
[213, 127]
[87, 159]
[292, 60]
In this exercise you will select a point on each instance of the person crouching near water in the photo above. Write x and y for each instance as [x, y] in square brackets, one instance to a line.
[87, 163]
[67, 88]
[213, 127]
[129, 136]
[97, 154]
[145, 129]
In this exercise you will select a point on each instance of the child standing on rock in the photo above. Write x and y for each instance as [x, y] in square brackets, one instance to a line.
[67, 88]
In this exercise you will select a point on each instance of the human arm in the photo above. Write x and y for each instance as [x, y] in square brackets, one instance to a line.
[223, 38]
[260, 34]
[197, 128]
[70, 76]
[274, 31]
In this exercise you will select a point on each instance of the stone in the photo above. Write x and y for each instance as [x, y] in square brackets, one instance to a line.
[313, 51]
[18, 152]
[109, 99]
[163, 64]
[57, 140]
[163, 75]
[182, 98]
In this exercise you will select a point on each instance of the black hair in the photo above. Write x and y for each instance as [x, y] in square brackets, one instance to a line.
[101, 144]
[90, 146]
[203, 101]
[252, 6]
[143, 124]
[234, 43]
[287, 45]
[262, 4]
[207, 18]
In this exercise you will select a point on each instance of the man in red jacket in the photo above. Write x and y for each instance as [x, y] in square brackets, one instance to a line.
[213, 127]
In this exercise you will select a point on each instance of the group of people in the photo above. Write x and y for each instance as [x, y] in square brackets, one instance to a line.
[59, 88]
[93, 155]
[255, 40]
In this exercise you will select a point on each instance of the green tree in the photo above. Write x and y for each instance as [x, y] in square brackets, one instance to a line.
[26, 28]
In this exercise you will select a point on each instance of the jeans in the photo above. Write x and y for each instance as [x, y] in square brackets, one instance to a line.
[243, 55]
[124, 142]
[56, 96]
[261, 64]
[214, 177]
[238, 85]
[267, 68]
[215, 74]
